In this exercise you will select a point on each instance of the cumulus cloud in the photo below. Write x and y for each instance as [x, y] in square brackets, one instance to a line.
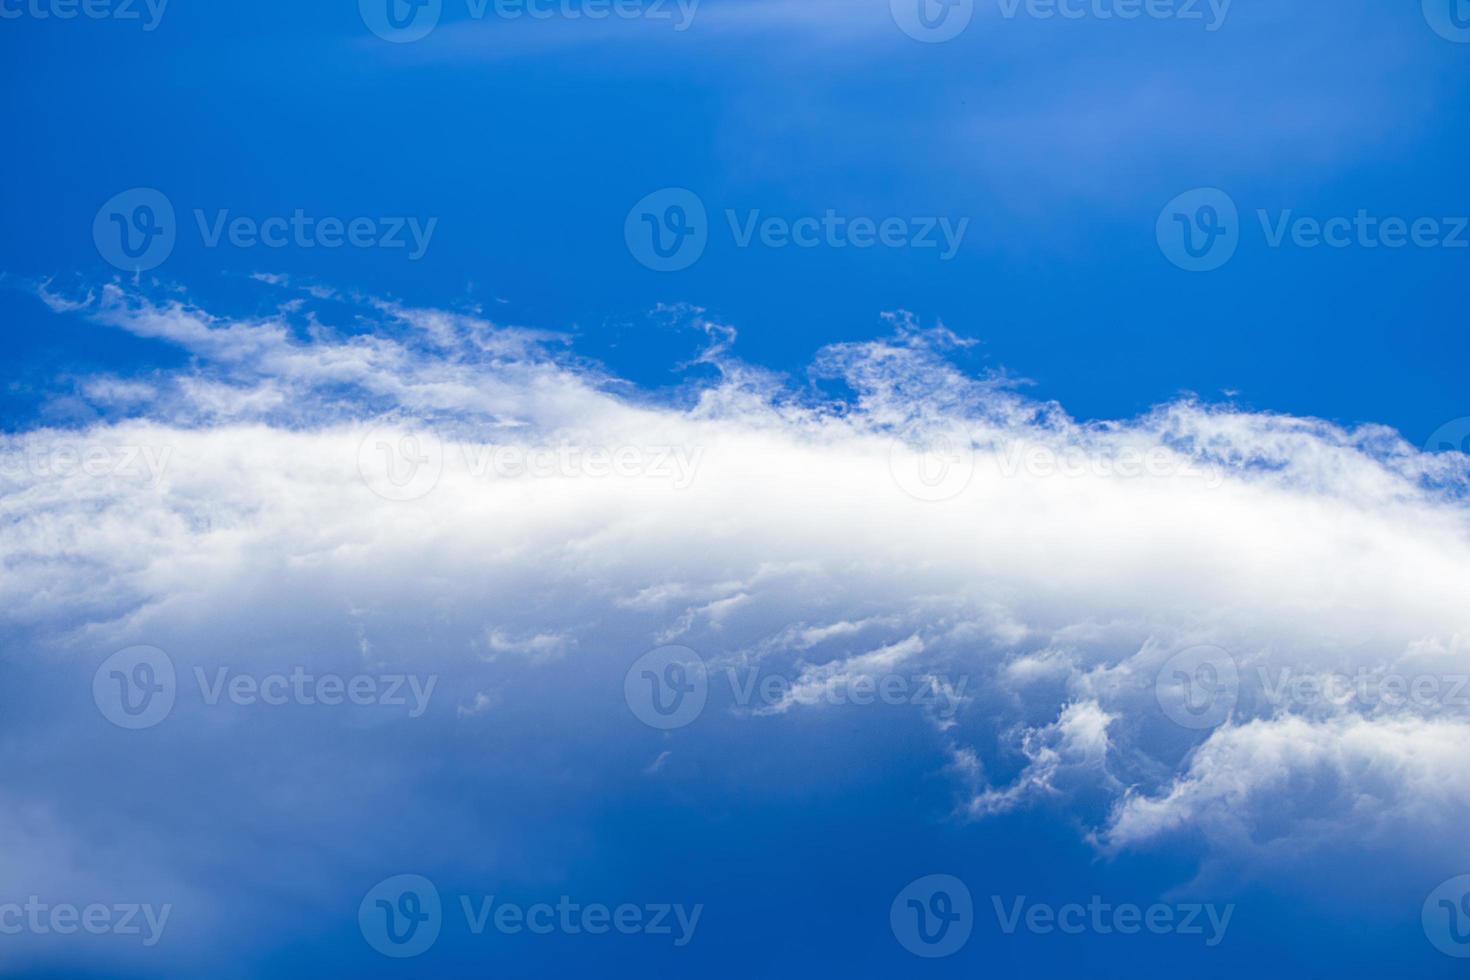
[327, 502]
[1278, 783]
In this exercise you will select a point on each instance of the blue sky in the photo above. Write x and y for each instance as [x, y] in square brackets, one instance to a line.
[772, 401]
[1060, 140]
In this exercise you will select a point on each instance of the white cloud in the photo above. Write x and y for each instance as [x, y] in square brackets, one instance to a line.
[1057, 597]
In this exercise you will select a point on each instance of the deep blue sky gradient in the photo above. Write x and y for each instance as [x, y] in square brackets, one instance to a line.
[1059, 141]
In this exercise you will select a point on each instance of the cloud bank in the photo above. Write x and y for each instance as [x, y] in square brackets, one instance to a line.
[349, 485]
